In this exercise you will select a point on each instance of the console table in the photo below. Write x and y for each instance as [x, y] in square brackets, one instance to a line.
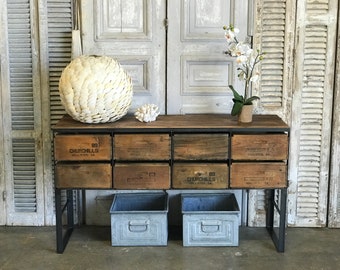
[197, 151]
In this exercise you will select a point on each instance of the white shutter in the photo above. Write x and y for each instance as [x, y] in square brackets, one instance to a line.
[59, 50]
[312, 112]
[274, 28]
[334, 195]
[26, 160]
[21, 114]
[3, 88]
[59, 14]
[274, 36]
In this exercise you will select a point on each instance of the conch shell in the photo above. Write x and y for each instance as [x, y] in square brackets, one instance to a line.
[147, 113]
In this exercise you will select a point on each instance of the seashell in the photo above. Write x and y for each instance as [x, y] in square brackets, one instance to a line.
[147, 113]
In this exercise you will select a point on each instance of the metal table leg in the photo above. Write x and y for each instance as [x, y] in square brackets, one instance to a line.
[62, 239]
[277, 236]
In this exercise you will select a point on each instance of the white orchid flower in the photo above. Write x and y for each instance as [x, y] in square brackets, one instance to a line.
[242, 59]
[231, 33]
[255, 77]
[236, 31]
[243, 48]
[246, 58]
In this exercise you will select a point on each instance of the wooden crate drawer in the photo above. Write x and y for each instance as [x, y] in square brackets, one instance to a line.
[142, 147]
[83, 175]
[259, 147]
[200, 146]
[258, 175]
[83, 147]
[141, 176]
[200, 175]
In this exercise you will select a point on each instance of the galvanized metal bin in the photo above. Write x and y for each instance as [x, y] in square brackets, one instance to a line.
[139, 219]
[210, 219]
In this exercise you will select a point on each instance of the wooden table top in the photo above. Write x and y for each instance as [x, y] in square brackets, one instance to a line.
[188, 122]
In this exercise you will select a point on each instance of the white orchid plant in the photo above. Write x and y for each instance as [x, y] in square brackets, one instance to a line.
[246, 59]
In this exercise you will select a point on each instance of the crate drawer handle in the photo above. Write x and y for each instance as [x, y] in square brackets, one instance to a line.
[138, 225]
[210, 226]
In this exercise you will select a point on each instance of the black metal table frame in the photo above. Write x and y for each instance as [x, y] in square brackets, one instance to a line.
[277, 233]
[278, 237]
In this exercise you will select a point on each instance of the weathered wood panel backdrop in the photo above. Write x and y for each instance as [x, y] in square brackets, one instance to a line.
[178, 64]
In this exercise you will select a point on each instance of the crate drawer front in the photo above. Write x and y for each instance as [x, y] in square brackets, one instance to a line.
[258, 175]
[200, 146]
[141, 176]
[200, 175]
[142, 147]
[83, 147]
[210, 230]
[145, 229]
[84, 176]
[259, 147]
[139, 219]
[210, 219]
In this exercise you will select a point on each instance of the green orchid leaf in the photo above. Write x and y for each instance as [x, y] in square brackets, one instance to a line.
[237, 96]
[236, 110]
[250, 100]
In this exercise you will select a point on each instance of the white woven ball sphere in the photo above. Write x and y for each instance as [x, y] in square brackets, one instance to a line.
[95, 89]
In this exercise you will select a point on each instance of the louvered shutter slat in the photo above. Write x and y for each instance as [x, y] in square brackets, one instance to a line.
[21, 66]
[59, 34]
[24, 175]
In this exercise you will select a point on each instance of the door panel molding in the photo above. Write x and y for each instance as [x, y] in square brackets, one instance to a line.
[134, 33]
[198, 71]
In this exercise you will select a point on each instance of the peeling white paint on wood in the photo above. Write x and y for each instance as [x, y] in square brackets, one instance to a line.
[3, 89]
[133, 32]
[196, 45]
[21, 112]
[334, 194]
[312, 113]
[297, 84]
[273, 34]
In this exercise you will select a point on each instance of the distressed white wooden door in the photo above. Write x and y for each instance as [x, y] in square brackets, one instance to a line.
[273, 34]
[21, 126]
[133, 32]
[312, 102]
[297, 80]
[198, 71]
[334, 194]
[2, 86]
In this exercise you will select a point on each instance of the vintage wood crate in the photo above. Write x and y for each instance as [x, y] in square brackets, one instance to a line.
[141, 176]
[142, 147]
[84, 175]
[200, 146]
[83, 147]
[200, 175]
[258, 175]
[259, 147]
